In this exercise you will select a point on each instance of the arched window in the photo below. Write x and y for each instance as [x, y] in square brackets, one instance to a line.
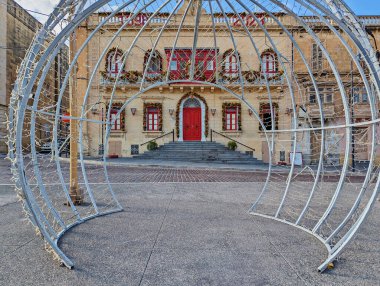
[231, 58]
[269, 63]
[192, 103]
[154, 67]
[114, 61]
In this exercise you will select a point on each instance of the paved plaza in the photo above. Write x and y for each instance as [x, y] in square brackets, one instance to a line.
[180, 227]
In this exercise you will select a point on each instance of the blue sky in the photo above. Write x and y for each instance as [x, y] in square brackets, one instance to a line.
[365, 7]
[361, 7]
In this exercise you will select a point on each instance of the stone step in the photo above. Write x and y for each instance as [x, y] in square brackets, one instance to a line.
[199, 157]
[199, 152]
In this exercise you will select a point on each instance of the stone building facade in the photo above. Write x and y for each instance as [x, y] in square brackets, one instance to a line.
[194, 109]
[17, 30]
[352, 93]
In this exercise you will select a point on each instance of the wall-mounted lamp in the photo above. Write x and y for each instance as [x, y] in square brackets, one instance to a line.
[288, 111]
[133, 110]
[171, 111]
[213, 111]
[250, 112]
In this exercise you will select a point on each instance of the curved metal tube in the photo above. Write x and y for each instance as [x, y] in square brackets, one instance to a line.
[333, 14]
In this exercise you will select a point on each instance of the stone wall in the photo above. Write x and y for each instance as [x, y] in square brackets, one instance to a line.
[3, 129]
[3, 70]
[17, 31]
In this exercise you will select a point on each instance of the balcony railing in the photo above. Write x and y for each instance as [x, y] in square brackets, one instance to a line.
[277, 81]
[365, 20]
[280, 80]
[328, 111]
[141, 19]
[234, 21]
[370, 20]
[362, 110]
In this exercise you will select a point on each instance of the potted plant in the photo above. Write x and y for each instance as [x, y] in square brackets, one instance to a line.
[232, 145]
[152, 145]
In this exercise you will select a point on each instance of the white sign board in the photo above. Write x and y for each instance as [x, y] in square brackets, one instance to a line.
[297, 159]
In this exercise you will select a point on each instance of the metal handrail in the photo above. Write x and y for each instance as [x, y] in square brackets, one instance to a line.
[158, 137]
[213, 131]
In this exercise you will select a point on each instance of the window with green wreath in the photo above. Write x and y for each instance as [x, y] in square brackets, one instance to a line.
[231, 116]
[269, 118]
[117, 120]
[152, 117]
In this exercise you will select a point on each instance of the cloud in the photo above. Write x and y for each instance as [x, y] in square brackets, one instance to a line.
[41, 6]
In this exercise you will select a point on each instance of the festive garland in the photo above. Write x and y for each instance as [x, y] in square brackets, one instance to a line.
[152, 105]
[226, 105]
[131, 76]
[266, 106]
[122, 114]
[251, 76]
[191, 94]
[199, 75]
[157, 77]
[277, 76]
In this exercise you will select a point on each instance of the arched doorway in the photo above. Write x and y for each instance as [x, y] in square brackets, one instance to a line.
[192, 120]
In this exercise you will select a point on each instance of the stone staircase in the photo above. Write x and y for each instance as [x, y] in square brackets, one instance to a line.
[199, 152]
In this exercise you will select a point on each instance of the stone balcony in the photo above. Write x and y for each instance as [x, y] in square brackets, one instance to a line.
[362, 110]
[328, 111]
[259, 83]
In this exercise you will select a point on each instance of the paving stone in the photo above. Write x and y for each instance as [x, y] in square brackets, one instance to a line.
[181, 227]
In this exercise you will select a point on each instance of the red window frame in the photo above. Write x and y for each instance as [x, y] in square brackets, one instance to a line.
[156, 61]
[231, 64]
[232, 118]
[152, 119]
[182, 60]
[116, 58]
[269, 63]
[115, 125]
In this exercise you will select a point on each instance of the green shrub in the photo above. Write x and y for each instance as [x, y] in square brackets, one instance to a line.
[232, 145]
[152, 145]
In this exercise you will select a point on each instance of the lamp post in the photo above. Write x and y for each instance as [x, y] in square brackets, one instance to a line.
[101, 146]
[75, 192]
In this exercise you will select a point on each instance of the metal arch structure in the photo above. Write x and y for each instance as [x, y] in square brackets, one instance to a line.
[313, 210]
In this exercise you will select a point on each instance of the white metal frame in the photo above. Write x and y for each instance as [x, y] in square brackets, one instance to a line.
[34, 70]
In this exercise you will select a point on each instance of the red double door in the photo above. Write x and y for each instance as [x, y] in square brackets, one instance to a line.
[192, 124]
